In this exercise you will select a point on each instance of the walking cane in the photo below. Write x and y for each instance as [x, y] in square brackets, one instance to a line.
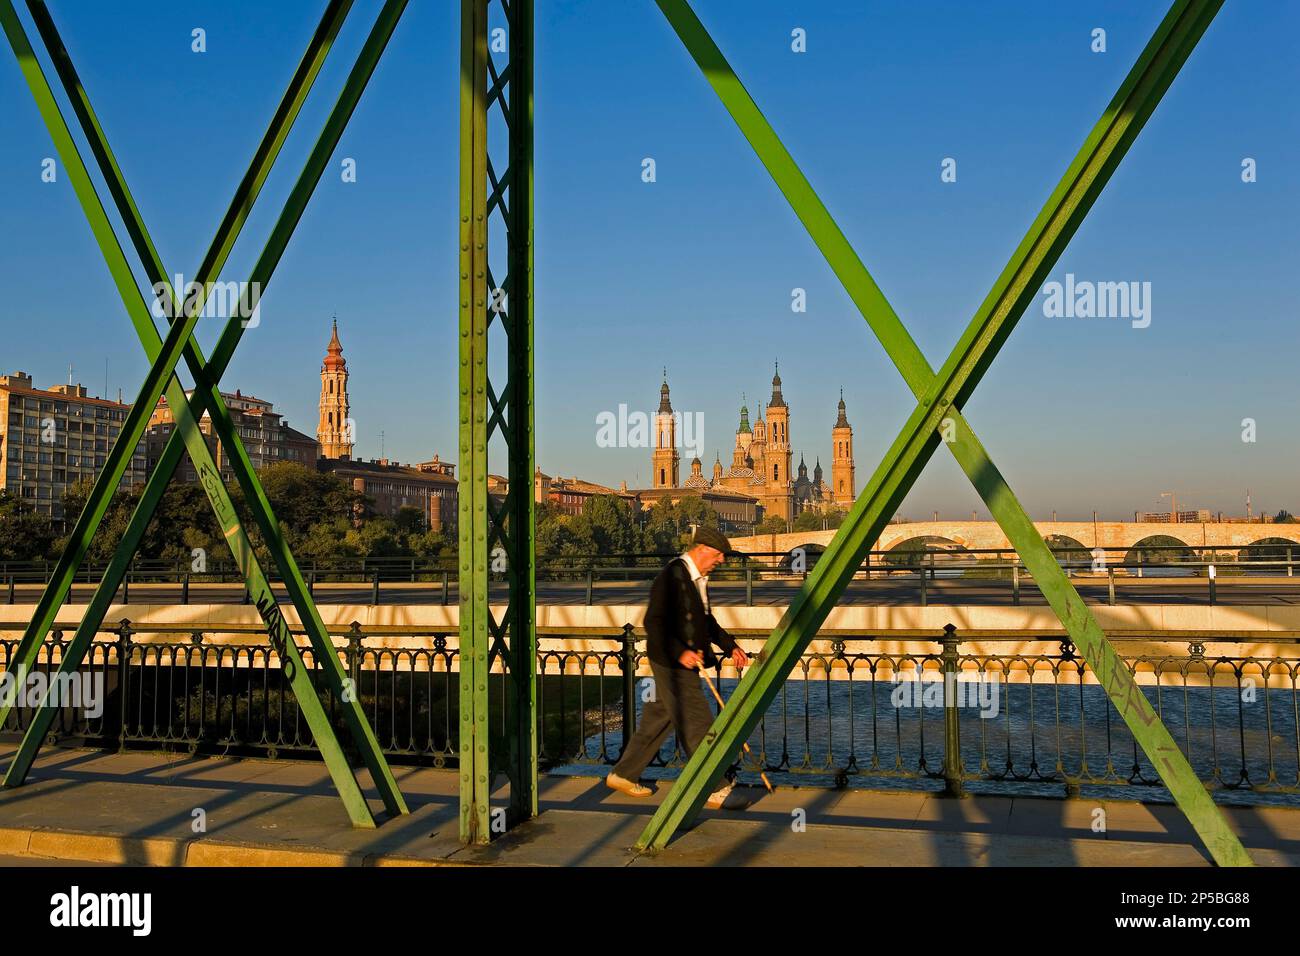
[721, 703]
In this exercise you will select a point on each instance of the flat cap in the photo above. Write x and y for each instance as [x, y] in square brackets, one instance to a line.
[712, 538]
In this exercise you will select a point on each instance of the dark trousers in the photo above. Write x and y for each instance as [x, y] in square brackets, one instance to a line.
[679, 705]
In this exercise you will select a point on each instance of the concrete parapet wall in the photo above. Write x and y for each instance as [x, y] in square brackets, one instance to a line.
[578, 636]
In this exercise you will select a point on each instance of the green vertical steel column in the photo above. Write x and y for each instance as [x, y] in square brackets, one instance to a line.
[1137, 98]
[472, 507]
[522, 669]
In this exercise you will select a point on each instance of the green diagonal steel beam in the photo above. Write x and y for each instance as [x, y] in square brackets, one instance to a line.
[242, 467]
[966, 447]
[1083, 628]
[260, 591]
[137, 310]
[137, 418]
[322, 647]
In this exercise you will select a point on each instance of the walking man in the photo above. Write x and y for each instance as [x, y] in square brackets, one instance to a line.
[680, 627]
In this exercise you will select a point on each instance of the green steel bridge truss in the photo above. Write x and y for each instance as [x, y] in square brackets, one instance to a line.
[161, 379]
[497, 699]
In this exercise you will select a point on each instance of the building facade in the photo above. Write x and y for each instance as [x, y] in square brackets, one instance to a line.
[570, 495]
[429, 487]
[265, 434]
[53, 438]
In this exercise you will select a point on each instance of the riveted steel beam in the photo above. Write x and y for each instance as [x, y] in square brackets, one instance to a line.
[474, 521]
[503, 640]
[521, 665]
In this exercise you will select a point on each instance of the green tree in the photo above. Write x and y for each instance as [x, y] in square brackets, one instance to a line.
[808, 520]
[302, 497]
[610, 523]
[25, 534]
[694, 510]
[662, 532]
[377, 538]
[118, 514]
[409, 521]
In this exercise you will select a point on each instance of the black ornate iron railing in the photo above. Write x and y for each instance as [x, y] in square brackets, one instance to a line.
[860, 709]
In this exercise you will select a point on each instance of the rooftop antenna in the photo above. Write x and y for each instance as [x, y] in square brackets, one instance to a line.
[381, 443]
[106, 376]
[1248, 504]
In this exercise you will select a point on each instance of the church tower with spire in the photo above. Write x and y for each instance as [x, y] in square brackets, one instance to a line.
[776, 465]
[842, 484]
[665, 462]
[334, 433]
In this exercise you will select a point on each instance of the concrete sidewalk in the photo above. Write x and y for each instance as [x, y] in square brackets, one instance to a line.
[140, 808]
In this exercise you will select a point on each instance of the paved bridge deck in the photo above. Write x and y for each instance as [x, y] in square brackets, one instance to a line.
[138, 808]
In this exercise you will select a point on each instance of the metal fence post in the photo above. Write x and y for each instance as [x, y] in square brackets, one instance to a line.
[1110, 586]
[1288, 565]
[123, 678]
[589, 575]
[921, 569]
[1209, 573]
[1015, 582]
[185, 588]
[952, 768]
[629, 685]
[11, 589]
[353, 654]
[749, 586]
[374, 589]
[445, 585]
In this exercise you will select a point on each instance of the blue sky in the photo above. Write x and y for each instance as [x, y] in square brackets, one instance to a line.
[695, 270]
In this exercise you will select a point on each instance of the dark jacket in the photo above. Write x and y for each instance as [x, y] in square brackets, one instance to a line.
[676, 621]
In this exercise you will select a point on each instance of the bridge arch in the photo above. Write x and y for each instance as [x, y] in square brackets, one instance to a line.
[1069, 551]
[810, 550]
[1272, 548]
[1160, 548]
[909, 550]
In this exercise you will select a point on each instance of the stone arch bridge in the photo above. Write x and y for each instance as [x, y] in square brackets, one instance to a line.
[1228, 539]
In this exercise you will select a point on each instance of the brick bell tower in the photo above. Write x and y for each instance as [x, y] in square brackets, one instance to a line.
[334, 432]
[843, 487]
[776, 465]
[665, 462]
